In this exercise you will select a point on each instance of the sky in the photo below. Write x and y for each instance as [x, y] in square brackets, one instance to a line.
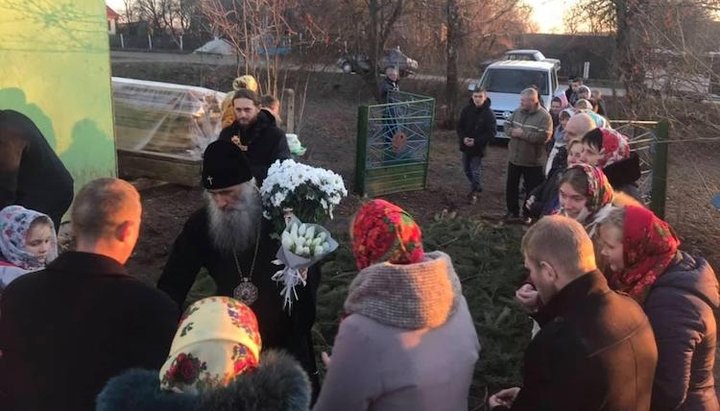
[548, 14]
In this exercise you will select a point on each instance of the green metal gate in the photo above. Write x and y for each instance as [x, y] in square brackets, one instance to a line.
[393, 144]
[649, 140]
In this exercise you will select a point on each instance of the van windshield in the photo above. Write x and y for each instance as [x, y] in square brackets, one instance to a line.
[514, 81]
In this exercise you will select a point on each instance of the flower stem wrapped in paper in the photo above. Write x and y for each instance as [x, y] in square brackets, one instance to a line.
[302, 246]
[297, 198]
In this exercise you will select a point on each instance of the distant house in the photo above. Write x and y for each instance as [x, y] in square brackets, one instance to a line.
[112, 18]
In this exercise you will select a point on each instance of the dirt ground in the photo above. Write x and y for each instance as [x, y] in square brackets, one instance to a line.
[328, 130]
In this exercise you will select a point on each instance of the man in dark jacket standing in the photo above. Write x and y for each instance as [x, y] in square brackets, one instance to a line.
[231, 239]
[66, 330]
[256, 133]
[596, 349]
[529, 128]
[475, 129]
[31, 174]
[388, 85]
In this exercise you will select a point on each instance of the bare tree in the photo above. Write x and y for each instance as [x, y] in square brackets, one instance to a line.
[478, 25]
[255, 28]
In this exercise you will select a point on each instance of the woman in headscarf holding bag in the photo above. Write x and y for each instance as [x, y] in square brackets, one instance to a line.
[679, 294]
[407, 341]
[214, 365]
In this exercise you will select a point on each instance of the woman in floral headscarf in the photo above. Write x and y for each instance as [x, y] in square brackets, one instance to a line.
[407, 342]
[585, 195]
[27, 242]
[679, 294]
[609, 150]
[214, 365]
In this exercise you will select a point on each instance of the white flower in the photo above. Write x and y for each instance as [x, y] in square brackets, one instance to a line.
[323, 188]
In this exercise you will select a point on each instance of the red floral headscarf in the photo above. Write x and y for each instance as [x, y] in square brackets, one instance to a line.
[649, 246]
[382, 232]
[599, 193]
[615, 147]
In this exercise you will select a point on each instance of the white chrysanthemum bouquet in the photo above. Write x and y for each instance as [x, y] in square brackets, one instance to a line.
[297, 198]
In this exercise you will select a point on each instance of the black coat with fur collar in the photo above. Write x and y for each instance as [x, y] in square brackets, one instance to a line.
[279, 384]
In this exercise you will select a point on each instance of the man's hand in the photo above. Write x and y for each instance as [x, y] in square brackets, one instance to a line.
[528, 297]
[325, 357]
[530, 201]
[469, 141]
[504, 398]
[516, 132]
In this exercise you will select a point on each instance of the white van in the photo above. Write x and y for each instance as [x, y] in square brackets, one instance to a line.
[504, 80]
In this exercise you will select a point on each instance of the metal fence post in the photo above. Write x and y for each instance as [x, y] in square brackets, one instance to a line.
[361, 149]
[659, 173]
[122, 41]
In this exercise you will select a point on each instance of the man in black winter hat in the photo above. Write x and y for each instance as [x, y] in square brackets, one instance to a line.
[230, 239]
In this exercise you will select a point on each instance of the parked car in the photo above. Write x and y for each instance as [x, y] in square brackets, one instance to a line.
[529, 55]
[505, 79]
[360, 63]
[525, 55]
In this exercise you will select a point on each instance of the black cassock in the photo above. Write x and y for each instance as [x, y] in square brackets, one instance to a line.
[279, 329]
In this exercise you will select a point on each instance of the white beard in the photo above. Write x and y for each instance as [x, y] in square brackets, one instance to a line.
[234, 230]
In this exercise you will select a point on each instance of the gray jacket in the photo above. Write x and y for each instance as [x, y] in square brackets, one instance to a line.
[408, 366]
[528, 150]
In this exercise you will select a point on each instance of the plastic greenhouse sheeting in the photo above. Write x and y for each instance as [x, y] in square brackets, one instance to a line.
[165, 118]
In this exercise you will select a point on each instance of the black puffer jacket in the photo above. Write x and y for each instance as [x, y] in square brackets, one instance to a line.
[477, 123]
[624, 174]
[681, 307]
[279, 384]
[264, 140]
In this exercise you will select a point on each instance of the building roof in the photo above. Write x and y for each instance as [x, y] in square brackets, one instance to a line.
[111, 14]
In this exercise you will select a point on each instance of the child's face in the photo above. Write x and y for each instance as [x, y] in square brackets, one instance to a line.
[563, 121]
[38, 241]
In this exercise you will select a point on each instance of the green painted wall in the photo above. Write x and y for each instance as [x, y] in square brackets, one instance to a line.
[55, 68]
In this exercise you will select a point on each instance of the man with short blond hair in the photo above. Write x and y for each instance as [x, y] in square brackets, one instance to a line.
[66, 330]
[595, 349]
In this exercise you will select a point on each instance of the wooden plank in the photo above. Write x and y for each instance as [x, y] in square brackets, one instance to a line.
[396, 179]
[159, 166]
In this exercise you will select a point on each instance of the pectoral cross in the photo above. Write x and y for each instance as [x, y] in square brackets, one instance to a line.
[209, 180]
